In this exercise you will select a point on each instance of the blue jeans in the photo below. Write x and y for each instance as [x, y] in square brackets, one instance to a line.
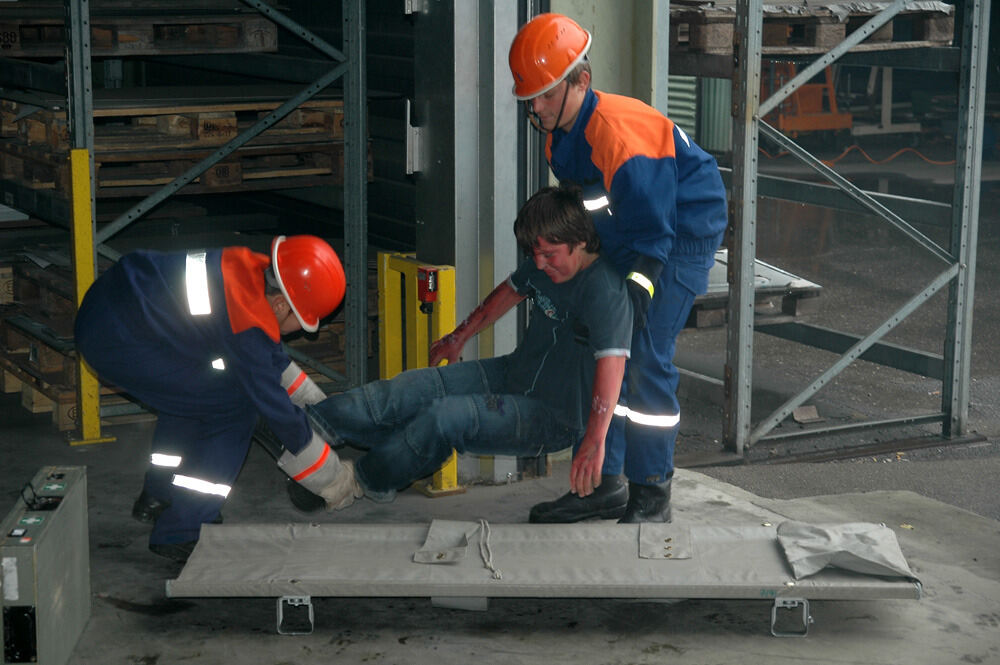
[409, 424]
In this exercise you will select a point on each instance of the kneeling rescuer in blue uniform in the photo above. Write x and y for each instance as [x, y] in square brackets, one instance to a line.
[196, 336]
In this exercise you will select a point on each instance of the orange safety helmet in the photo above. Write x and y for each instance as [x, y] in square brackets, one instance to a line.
[544, 51]
[309, 275]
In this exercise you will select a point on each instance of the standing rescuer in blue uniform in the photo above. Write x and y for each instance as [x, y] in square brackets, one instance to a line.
[659, 206]
[197, 337]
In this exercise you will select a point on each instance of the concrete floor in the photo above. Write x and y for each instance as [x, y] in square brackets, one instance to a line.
[940, 500]
[955, 553]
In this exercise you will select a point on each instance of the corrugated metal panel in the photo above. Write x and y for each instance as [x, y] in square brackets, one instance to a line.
[714, 116]
[682, 105]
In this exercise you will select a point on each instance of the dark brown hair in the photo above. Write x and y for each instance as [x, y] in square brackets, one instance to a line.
[557, 215]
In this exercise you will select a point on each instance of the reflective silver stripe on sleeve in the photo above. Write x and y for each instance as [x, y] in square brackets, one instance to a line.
[201, 486]
[596, 204]
[684, 137]
[648, 419]
[219, 363]
[196, 280]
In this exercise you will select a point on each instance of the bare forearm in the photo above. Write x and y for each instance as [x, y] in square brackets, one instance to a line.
[607, 385]
[493, 306]
[585, 473]
[496, 304]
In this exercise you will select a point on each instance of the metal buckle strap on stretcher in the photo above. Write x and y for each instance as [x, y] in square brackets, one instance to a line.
[457, 564]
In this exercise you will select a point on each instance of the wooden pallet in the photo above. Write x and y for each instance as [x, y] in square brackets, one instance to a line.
[47, 293]
[130, 173]
[43, 35]
[38, 357]
[38, 349]
[178, 127]
[709, 29]
[6, 285]
[39, 396]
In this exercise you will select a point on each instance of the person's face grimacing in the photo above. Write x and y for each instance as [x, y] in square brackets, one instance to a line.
[559, 261]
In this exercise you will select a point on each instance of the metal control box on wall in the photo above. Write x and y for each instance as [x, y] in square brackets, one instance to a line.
[45, 568]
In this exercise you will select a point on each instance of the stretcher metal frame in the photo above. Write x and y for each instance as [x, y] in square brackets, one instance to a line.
[296, 562]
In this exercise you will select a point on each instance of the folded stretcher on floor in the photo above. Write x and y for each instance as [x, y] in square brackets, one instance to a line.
[462, 564]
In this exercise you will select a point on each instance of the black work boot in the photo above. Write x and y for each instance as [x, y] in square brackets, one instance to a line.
[606, 502]
[303, 499]
[647, 503]
[147, 508]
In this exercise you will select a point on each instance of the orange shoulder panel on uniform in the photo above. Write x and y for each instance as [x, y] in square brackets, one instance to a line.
[243, 279]
[622, 128]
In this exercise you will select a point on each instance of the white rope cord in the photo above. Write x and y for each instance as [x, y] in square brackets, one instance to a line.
[484, 549]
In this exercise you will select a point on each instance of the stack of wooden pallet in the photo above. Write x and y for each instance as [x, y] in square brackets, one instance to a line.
[809, 26]
[146, 137]
[37, 354]
[37, 28]
[37, 358]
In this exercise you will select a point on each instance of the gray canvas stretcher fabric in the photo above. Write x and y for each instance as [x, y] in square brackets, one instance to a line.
[598, 560]
[866, 548]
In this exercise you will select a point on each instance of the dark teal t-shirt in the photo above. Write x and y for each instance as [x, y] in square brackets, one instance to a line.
[570, 326]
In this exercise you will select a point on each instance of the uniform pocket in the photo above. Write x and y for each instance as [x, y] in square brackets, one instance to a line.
[684, 282]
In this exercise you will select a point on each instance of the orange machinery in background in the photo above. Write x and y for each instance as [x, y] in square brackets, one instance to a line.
[813, 107]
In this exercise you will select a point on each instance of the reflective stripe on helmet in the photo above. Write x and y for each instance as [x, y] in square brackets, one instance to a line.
[201, 486]
[649, 419]
[161, 459]
[196, 281]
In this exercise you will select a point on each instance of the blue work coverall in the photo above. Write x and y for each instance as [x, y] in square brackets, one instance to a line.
[654, 196]
[193, 337]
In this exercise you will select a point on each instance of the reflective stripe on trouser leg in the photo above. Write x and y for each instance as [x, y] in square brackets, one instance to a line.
[649, 451]
[214, 451]
[201, 485]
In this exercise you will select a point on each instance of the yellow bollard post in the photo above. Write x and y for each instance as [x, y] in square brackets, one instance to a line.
[400, 308]
[390, 321]
[88, 390]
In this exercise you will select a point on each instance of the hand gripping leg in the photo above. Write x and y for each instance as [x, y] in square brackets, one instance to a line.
[318, 468]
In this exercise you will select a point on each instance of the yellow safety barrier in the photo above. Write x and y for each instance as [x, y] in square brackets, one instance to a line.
[88, 390]
[416, 305]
